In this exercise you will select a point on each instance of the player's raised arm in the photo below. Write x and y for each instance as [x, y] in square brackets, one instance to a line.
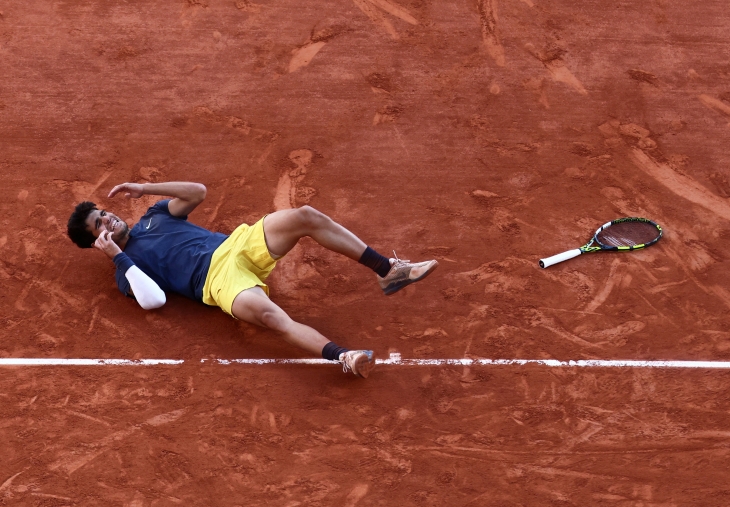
[186, 195]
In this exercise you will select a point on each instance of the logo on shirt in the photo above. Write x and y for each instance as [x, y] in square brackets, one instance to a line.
[149, 224]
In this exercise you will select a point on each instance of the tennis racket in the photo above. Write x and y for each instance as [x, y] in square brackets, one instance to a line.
[623, 235]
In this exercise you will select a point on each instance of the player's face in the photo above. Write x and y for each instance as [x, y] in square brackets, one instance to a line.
[99, 221]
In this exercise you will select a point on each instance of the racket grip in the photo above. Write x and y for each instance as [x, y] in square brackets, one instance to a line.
[544, 263]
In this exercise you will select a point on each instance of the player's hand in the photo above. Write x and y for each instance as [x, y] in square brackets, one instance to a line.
[131, 190]
[105, 243]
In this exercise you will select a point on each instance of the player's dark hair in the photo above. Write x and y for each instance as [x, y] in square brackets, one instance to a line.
[77, 225]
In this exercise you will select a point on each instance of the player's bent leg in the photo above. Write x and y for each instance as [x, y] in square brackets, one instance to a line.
[283, 229]
[253, 306]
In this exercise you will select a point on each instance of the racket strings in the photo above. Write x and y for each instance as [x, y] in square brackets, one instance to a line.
[628, 234]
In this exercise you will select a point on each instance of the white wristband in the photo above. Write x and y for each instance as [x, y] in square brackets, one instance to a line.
[147, 293]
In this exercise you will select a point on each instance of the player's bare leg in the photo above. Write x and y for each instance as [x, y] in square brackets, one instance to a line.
[254, 306]
[283, 229]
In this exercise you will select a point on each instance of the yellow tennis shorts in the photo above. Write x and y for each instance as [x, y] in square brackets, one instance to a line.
[242, 261]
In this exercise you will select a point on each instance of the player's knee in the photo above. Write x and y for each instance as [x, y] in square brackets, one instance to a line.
[274, 320]
[311, 218]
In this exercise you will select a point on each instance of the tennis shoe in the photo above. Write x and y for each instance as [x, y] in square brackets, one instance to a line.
[359, 362]
[404, 272]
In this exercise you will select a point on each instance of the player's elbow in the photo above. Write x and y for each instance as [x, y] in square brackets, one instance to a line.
[200, 192]
[152, 302]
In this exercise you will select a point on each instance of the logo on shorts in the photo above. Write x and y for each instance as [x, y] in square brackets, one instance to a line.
[148, 225]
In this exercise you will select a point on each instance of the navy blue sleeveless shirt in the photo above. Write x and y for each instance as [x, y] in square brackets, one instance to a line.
[170, 250]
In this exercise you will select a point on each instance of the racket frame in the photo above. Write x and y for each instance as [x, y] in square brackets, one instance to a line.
[601, 246]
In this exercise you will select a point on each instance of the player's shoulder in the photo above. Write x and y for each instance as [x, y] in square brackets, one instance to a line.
[163, 208]
[160, 206]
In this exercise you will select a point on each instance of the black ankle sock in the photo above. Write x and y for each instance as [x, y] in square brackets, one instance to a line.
[375, 261]
[332, 351]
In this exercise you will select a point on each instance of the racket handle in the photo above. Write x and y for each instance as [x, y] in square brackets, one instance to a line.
[544, 263]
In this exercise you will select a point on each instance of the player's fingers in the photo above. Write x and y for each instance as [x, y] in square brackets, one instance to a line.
[117, 189]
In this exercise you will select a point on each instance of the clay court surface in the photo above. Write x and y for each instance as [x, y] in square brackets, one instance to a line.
[487, 134]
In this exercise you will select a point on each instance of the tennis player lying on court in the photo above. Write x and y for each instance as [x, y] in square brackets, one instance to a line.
[165, 252]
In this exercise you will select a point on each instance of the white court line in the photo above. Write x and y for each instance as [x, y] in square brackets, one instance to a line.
[394, 360]
[7, 361]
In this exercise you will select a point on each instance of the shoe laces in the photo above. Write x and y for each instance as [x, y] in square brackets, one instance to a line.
[398, 260]
[345, 367]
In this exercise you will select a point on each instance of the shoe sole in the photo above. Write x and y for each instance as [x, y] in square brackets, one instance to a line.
[363, 365]
[392, 289]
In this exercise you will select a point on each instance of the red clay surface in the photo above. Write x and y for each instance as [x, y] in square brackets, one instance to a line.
[486, 134]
